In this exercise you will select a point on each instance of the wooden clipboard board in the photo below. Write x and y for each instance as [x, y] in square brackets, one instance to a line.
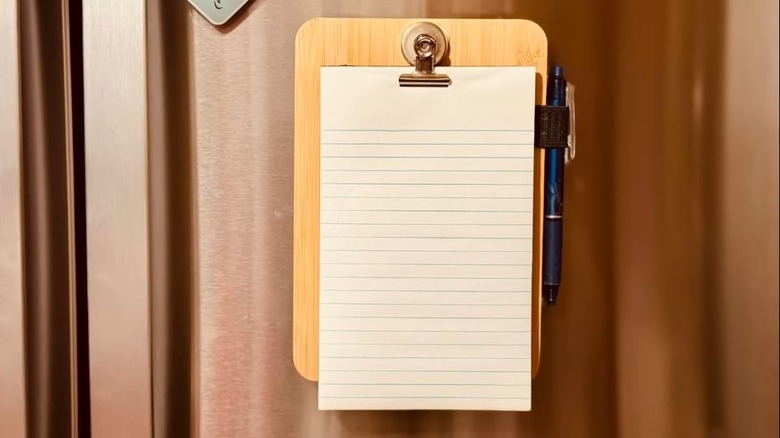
[377, 42]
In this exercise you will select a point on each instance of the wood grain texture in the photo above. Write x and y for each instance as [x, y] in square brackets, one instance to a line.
[377, 42]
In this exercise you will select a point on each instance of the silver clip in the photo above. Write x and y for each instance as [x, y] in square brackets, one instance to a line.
[428, 51]
[572, 149]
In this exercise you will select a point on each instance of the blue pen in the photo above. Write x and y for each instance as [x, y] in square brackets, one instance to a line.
[552, 236]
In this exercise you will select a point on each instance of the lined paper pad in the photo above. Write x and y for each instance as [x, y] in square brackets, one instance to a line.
[426, 240]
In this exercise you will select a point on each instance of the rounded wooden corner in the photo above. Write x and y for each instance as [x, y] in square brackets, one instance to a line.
[305, 27]
[538, 29]
[306, 374]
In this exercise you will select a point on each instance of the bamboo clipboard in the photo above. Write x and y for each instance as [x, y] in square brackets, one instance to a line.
[377, 42]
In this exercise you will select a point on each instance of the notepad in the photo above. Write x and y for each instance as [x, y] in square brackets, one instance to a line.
[426, 199]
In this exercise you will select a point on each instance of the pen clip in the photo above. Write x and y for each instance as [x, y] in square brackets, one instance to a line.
[572, 150]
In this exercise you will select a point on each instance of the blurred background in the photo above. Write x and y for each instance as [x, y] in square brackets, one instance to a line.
[146, 169]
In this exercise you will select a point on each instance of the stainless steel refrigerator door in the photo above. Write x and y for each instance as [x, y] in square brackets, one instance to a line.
[189, 145]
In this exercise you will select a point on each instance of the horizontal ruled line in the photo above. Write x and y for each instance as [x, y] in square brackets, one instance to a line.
[429, 237]
[428, 290]
[430, 371]
[425, 197]
[428, 264]
[426, 384]
[426, 345]
[486, 318]
[428, 170]
[423, 184]
[428, 304]
[412, 143]
[434, 278]
[431, 211]
[428, 224]
[426, 331]
[426, 357]
[418, 157]
[421, 250]
[423, 397]
[427, 130]
[325, 235]
[423, 317]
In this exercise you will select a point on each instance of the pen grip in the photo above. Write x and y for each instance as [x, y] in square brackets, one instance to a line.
[553, 180]
[552, 234]
[553, 243]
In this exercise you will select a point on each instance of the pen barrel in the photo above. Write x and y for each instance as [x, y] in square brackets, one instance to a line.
[552, 234]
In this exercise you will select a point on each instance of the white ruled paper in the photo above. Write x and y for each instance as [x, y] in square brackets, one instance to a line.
[426, 202]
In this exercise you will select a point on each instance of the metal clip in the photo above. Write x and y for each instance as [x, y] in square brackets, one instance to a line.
[572, 149]
[429, 45]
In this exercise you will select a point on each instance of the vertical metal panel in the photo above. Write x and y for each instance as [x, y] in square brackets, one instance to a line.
[170, 215]
[47, 199]
[12, 376]
[661, 183]
[115, 101]
[748, 212]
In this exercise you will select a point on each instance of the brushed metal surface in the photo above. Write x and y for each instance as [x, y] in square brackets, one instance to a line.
[115, 110]
[12, 378]
[243, 89]
[242, 93]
